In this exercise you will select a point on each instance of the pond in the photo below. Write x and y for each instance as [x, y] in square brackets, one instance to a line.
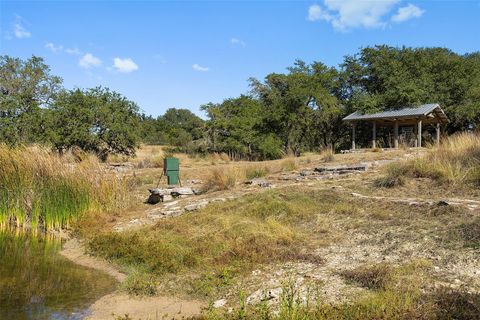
[36, 282]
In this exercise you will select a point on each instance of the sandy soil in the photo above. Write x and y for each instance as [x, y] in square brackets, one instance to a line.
[74, 251]
[120, 304]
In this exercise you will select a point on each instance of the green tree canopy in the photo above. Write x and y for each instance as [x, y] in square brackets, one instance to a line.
[26, 86]
[96, 120]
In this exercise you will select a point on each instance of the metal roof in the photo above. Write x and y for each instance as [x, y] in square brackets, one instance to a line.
[423, 110]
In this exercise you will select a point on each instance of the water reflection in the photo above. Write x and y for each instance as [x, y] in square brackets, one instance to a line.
[37, 283]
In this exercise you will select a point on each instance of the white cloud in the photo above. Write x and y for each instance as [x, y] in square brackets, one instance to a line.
[74, 51]
[198, 67]
[53, 48]
[238, 42]
[408, 12]
[349, 14]
[19, 30]
[124, 65]
[89, 60]
[315, 12]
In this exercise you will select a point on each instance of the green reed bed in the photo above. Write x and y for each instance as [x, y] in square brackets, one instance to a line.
[40, 189]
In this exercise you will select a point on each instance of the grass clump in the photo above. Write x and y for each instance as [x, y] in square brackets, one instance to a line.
[328, 156]
[140, 283]
[470, 233]
[456, 162]
[219, 179]
[38, 188]
[256, 172]
[393, 178]
[288, 165]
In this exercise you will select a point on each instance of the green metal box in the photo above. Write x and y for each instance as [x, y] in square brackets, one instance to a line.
[171, 168]
[173, 177]
[171, 164]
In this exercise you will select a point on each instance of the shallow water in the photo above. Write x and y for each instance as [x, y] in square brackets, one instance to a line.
[38, 283]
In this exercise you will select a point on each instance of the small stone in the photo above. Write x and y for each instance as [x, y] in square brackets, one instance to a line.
[196, 206]
[220, 303]
[167, 197]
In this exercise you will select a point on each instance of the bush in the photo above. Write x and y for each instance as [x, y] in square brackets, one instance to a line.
[269, 147]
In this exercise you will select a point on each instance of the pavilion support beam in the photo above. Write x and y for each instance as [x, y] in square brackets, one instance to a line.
[415, 136]
[395, 135]
[353, 135]
[374, 135]
[419, 138]
[438, 134]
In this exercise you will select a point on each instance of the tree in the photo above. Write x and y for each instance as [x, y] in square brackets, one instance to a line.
[26, 89]
[384, 77]
[96, 120]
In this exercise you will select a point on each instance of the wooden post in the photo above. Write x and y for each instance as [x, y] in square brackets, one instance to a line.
[438, 134]
[415, 136]
[419, 133]
[395, 135]
[374, 135]
[353, 136]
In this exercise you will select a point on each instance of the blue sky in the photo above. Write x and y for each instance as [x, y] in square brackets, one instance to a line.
[183, 54]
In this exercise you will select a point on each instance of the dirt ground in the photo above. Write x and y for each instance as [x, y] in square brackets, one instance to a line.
[404, 230]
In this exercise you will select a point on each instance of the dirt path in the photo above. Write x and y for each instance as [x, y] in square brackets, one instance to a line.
[74, 251]
[120, 304]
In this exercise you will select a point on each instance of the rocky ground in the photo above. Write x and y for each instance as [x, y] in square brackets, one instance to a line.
[405, 230]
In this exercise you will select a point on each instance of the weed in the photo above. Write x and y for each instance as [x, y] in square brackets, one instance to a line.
[221, 180]
[470, 233]
[289, 164]
[256, 172]
[328, 156]
[140, 283]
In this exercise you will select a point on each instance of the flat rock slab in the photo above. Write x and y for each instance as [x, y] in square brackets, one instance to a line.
[173, 191]
[343, 168]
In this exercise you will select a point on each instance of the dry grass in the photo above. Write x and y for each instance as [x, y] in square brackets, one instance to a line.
[235, 236]
[328, 155]
[40, 188]
[455, 162]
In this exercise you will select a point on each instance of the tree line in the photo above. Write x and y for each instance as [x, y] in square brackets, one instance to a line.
[285, 113]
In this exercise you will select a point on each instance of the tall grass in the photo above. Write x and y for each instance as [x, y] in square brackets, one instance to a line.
[456, 162]
[38, 188]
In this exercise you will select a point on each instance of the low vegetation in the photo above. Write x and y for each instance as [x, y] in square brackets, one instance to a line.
[39, 188]
[395, 292]
[455, 162]
[221, 240]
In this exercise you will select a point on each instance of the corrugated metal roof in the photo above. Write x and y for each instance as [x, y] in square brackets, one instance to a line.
[422, 110]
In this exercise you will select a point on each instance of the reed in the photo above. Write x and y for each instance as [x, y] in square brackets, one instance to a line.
[42, 189]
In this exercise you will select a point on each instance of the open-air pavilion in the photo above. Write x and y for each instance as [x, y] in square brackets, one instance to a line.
[410, 120]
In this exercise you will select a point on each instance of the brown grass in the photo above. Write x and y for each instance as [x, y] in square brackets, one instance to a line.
[455, 162]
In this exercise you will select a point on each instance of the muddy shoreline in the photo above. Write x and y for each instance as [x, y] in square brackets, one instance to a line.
[121, 304]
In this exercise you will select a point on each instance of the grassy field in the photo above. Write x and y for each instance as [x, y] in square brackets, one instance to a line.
[328, 254]
[397, 251]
